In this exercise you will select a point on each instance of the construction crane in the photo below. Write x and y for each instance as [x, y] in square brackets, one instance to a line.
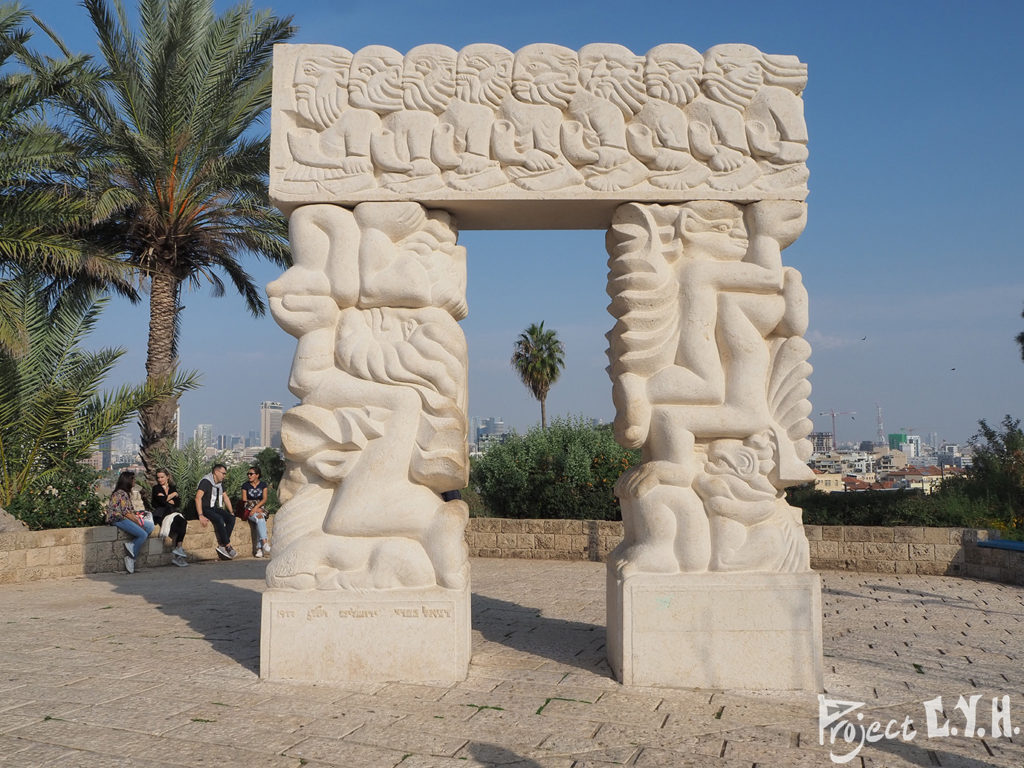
[833, 413]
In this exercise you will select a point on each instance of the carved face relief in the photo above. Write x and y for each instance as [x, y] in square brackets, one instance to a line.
[483, 74]
[545, 74]
[375, 79]
[429, 78]
[321, 86]
[672, 73]
[712, 230]
[615, 73]
[733, 73]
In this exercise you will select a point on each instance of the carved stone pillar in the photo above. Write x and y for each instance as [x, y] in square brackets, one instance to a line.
[711, 586]
[370, 577]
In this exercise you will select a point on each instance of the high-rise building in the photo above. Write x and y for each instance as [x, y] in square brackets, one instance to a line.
[203, 435]
[270, 424]
[104, 450]
[177, 427]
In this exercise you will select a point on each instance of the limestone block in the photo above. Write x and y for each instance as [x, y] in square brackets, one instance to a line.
[812, 532]
[922, 552]
[851, 549]
[100, 533]
[558, 137]
[716, 630]
[884, 551]
[824, 550]
[949, 552]
[936, 535]
[37, 557]
[856, 533]
[832, 533]
[339, 636]
[940, 568]
[881, 533]
[908, 534]
[906, 566]
[877, 566]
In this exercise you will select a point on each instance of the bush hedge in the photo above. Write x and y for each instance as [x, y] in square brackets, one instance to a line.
[68, 500]
[567, 471]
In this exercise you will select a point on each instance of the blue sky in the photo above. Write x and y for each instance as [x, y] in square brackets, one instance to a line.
[911, 256]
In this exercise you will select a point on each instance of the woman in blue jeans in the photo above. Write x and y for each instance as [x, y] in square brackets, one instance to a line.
[121, 513]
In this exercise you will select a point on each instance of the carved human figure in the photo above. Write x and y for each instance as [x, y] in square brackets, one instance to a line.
[612, 92]
[330, 145]
[387, 415]
[376, 89]
[428, 84]
[766, 90]
[462, 141]
[708, 343]
[527, 138]
[752, 527]
[718, 136]
[659, 135]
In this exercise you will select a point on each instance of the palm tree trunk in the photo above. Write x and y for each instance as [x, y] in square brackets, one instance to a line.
[543, 414]
[157, 421]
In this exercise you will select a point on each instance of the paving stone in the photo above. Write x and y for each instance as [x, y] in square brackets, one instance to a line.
[538, 646]
[345, 753]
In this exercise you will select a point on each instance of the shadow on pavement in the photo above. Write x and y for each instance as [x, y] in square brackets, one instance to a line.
[226, 615]
[527, 629]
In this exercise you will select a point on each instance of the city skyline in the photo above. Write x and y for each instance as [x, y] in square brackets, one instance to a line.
[909, 256]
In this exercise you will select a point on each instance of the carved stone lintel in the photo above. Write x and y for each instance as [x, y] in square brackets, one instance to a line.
[547, 123]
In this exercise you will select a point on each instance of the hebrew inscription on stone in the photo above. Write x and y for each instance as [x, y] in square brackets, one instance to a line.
[545, 122]
[709, 376]
[374, 298]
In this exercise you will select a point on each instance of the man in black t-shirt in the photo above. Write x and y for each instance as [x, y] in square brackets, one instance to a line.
[210, 502]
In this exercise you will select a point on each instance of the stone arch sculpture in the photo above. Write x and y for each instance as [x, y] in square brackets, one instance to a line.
[695, 163]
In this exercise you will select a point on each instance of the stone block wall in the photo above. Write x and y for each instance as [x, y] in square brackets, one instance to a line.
[866, 549]
[888, 549]
[34, 555]
[936, 551]
[542, 539]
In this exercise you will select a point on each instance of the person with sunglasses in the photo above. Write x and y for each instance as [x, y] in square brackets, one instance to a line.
[254, 499]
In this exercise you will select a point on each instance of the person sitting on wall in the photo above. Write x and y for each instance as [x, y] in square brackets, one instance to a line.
[254, 499]
[167, 512]
[121, 514]
[210, 503]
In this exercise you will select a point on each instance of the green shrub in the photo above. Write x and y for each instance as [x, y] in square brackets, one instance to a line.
[943, 508]
[67, 500]
[567, 471]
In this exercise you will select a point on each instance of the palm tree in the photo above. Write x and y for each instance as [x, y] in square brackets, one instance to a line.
[539, 357]
[43, 207]
[51, 409]
[178, 174]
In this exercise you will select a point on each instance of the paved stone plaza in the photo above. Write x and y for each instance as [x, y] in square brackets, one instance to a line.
[160, 669]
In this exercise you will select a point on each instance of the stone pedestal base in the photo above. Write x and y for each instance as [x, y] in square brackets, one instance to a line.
[420, 635]
[755, 631]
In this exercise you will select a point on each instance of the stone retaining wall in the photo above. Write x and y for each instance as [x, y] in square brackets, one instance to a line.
[867, 549]
[34, 555]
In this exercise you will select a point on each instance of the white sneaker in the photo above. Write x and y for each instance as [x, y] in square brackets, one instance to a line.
[266, 547]
[181, 562]
[179, 551]
[259, 552]
[129, 564]
[130, 550]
